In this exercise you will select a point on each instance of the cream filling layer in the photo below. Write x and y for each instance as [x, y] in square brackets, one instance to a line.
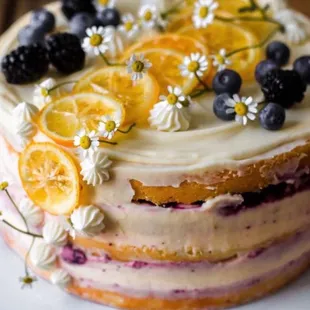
[162, 159]
[199, 279]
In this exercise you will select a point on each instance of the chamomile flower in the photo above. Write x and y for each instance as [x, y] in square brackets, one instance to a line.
[204, 13]
[97, 40]
[294, 25]
[108, 126]
[171, 113]
[244, 109]
[148, 15]
[88, 142]
[104, 4]
[220, 60]
[27, 281]
[42, 93]
[129, 28]
[195, 64]
[4, 185]
[137, 65]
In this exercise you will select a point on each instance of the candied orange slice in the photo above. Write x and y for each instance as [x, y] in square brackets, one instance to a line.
[230, 37]
[62, 118]
[180, 43]
[137, 99]
[50, 178]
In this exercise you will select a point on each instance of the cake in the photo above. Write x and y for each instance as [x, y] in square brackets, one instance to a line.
[157, 161]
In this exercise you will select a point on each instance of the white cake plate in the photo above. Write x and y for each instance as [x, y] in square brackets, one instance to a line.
[44, 296]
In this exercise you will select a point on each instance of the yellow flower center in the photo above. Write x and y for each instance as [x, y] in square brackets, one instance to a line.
[3, 186]
[193, 66]
[44, 92]
[103, 2]
[138, 66]
[241, 109]
[203, 12]
[220, 59]
[128, 26]
[189, 2]
[172, 99]
[85, 142]
[148, 15]
[110, 126]
[96, 39]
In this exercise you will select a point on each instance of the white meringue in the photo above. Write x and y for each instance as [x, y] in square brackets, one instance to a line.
[43, 256]
[25, 131]
[25, 111]
[87, 220]
[61, 278]
[54, 233]
[33, 214]
[95, 169]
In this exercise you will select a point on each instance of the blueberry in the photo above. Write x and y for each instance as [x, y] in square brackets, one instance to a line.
[278, 52]
[302, 66]
[262, 68]
[272, 116]
[80, 22]
[43, 19]
[220, 108]
[227, 81]
[30, 35]
[108, 17]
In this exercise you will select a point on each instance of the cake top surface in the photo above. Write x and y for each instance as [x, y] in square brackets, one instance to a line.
[167, 146]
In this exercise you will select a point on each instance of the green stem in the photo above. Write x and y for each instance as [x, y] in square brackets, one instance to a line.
[128, 130]
[61, 84]
[202, 82]
[172, 10]
[27, 256]
[17, 209]
[21, 231]
[108, 63]
[259, 45]
[199, 93]
[108, 142]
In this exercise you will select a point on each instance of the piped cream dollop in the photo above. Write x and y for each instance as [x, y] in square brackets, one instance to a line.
[43, 256]
[61, 278]
[25, 111]
[54, 233]
[33, 214]
[87, 220]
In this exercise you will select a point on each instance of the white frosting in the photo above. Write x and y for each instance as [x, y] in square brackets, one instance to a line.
[61, 278]
[25, 131]
[33, 214]
[95, 169]
[87, 220]
[165, 118]
[43, 256]
[54, 233]
[116, 44]
[25, 111]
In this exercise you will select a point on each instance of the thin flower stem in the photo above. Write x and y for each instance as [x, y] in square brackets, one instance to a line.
[199, 93]
[17, 209]
[61, 84]
[202, 82]
[27, 256]
[128, 130]
[107, 142]
[21, 231]
[259, 45]
[108, 63]
[172, 10]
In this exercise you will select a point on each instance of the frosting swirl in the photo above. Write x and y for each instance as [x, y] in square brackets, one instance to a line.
[61, 278]
[33, 214]
[43, 256]
[87, 220]
[54, 233]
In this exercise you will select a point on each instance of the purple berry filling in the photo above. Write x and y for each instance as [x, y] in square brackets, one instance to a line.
[73, 256]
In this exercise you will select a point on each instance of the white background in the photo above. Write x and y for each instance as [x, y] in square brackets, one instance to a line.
[44, 296]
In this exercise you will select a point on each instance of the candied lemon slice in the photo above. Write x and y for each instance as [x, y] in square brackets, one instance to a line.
[61, 119]
[180, 43]
[230, 37]
[137, 99]
[50, 178]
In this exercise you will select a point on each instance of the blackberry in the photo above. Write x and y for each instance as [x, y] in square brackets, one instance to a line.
[284, 87]
[65, 52]
[26, 64]
[73, 7]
